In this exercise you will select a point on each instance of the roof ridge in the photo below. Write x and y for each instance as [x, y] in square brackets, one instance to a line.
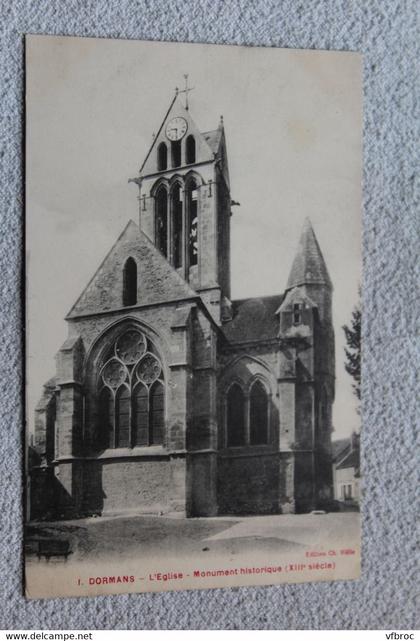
[140, 245]
[238, 300]
[158, 132]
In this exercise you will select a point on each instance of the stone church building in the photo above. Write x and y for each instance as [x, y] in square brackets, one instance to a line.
[169, 396]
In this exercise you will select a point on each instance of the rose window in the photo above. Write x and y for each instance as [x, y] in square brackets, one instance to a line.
[114, 374]
[130, 347]
[148, 369]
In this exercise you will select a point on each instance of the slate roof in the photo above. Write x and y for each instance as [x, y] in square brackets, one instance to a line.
[339, 446]
[213, 139]
[351, 460]
[309, 265]
[254, 319]
[345, 456]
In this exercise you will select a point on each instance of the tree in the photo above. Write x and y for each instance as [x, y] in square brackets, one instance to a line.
[353, 349]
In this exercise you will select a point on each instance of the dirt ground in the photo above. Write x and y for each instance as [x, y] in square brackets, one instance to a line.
[125, 537]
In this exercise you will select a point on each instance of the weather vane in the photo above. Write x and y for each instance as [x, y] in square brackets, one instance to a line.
[186, 90]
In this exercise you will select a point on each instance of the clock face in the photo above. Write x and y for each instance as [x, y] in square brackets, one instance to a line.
[176, 128]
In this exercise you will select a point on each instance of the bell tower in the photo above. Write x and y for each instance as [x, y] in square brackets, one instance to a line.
[184, 202]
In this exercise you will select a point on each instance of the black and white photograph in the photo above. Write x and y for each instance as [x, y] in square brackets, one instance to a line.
[193, 269]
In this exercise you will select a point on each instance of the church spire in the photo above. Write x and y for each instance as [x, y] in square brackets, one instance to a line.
[309, 266]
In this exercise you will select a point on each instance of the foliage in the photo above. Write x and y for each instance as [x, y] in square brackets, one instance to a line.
[353, 349]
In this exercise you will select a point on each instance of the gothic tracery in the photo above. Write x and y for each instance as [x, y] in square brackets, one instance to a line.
[131, 394]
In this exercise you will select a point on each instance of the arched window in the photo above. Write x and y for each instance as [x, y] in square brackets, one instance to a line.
[161, 221]
[122, 417]
[177, 226]
[190, 150]
[157, 413]
[258, 415]
[162, 157]
[106, 418]
[176, 153]
[235, 416]
[132, 374]
[141, 415]
[192, 215]
[130, 282]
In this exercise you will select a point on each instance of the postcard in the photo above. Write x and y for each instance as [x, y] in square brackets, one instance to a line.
[193, 253]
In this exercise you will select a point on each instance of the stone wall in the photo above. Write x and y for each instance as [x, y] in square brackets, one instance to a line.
[149, 485]
[248, 483]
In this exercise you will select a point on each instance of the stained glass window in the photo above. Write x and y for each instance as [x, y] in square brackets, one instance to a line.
[236, 416]
[258, 415]
[106, 418]
[122, 417]
[141, 415]
[157, 414]
[131, 398]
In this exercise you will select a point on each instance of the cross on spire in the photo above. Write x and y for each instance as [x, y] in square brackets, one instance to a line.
[186, 90]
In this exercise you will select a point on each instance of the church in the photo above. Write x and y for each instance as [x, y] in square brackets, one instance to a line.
[171, 398]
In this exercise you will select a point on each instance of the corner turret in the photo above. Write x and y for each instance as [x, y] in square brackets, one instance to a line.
[307, 371]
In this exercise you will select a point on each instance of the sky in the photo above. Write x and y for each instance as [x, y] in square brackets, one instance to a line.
[293, 128]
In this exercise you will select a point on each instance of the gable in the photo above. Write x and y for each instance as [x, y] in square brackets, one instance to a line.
[204, 151]
[293, 296]
[157, 281]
